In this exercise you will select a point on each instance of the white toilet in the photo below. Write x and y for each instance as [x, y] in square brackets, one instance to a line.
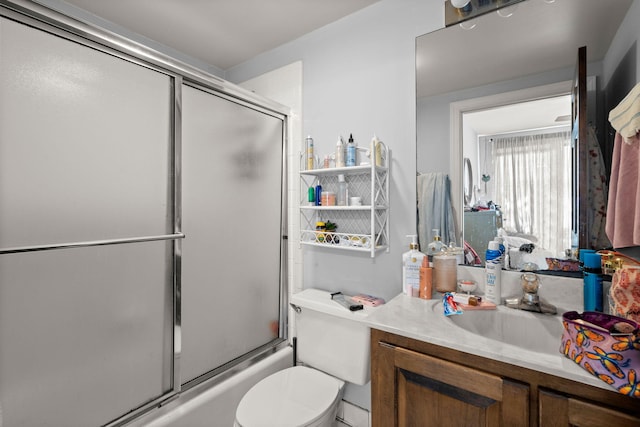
[333, 345]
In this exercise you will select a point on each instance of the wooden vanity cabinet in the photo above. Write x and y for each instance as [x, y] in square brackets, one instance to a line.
[414, 383]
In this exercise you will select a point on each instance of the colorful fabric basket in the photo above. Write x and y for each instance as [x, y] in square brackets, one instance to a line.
[597, 342]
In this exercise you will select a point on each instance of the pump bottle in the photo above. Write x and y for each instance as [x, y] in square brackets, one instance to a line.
[351, 152]
[436, 245]
[411, 263]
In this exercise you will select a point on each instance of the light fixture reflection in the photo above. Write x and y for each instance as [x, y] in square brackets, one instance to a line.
[468, 25]
[507, 12]
[459, 4]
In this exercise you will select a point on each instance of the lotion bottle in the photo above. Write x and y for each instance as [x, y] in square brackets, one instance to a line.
[411, 263]
[426, 279]
[493, 272]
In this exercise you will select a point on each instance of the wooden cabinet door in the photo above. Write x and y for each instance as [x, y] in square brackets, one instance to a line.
[556, 410]
[414, 389]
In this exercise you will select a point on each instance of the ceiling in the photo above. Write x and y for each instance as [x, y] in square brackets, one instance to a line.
[537, 114]
[525, 39]
[222, 33]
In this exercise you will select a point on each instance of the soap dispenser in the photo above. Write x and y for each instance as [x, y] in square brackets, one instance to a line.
[411, 263]
[436, 245]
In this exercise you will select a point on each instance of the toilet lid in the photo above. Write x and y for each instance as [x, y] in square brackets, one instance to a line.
[295, 396]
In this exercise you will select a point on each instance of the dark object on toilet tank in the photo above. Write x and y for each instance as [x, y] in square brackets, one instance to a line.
[527, 247]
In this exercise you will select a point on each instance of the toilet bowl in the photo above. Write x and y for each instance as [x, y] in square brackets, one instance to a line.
[297, 396]
[333, 345]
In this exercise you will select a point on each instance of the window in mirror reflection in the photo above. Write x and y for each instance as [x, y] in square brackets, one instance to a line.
[521, 160]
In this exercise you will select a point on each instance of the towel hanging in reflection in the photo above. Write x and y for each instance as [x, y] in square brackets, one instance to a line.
[434, 208]
[623, 208]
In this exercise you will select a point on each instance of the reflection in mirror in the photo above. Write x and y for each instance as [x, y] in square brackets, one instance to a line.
[468, 182]
[529, 56]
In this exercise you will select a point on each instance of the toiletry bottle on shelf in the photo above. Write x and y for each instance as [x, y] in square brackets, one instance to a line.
[343, 192]
[351, 152]
[309, 144]
[411, 263]
[311, 196]
[436, 245]
[502, 249]
[340, 154]
[592, 271]
[318, 195]
[376, 151]
[493, 273]
[426, 279]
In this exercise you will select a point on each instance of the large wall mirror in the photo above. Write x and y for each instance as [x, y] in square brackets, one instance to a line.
[496, 90]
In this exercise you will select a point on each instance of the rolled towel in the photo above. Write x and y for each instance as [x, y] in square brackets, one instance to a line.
[625, 117]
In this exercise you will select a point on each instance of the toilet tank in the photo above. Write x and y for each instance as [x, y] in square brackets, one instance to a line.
[331, 338]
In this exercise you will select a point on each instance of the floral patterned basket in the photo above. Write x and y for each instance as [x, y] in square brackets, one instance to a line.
[613, 358]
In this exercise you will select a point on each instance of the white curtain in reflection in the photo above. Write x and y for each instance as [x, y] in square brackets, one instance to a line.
[533, 186]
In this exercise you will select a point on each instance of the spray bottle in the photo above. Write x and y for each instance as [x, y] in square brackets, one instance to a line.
[309, 149]
[493, 271]
[340, 153]
[411, 263]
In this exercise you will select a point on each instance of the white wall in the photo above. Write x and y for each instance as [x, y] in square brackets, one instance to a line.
[359, 77]
[624, 40]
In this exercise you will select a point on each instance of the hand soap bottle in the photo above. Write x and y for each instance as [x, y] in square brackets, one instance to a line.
[411, 263]
[436, 245]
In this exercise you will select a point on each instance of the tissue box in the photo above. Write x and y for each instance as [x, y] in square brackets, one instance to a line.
[613, 359]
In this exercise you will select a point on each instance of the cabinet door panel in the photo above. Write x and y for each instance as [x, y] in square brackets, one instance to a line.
[561, 411]
[427, 391]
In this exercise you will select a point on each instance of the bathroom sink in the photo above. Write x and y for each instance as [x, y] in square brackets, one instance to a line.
[531, 331]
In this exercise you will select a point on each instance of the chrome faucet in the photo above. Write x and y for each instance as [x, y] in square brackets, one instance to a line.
[530, 299]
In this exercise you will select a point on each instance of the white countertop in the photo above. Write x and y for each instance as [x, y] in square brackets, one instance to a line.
[424, 320]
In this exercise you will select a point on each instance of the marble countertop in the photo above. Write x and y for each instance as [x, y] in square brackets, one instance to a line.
[424, 320]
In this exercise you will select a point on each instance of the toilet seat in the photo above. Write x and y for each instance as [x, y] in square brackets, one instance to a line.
[297, 396]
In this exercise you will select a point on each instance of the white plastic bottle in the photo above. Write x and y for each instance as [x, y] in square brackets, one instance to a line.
[493, 272]
[340, 163]
[351, 152]
[376, 151]
[411, 263]
[343, 191]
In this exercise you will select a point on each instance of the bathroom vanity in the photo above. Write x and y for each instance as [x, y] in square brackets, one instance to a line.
[427, 370]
